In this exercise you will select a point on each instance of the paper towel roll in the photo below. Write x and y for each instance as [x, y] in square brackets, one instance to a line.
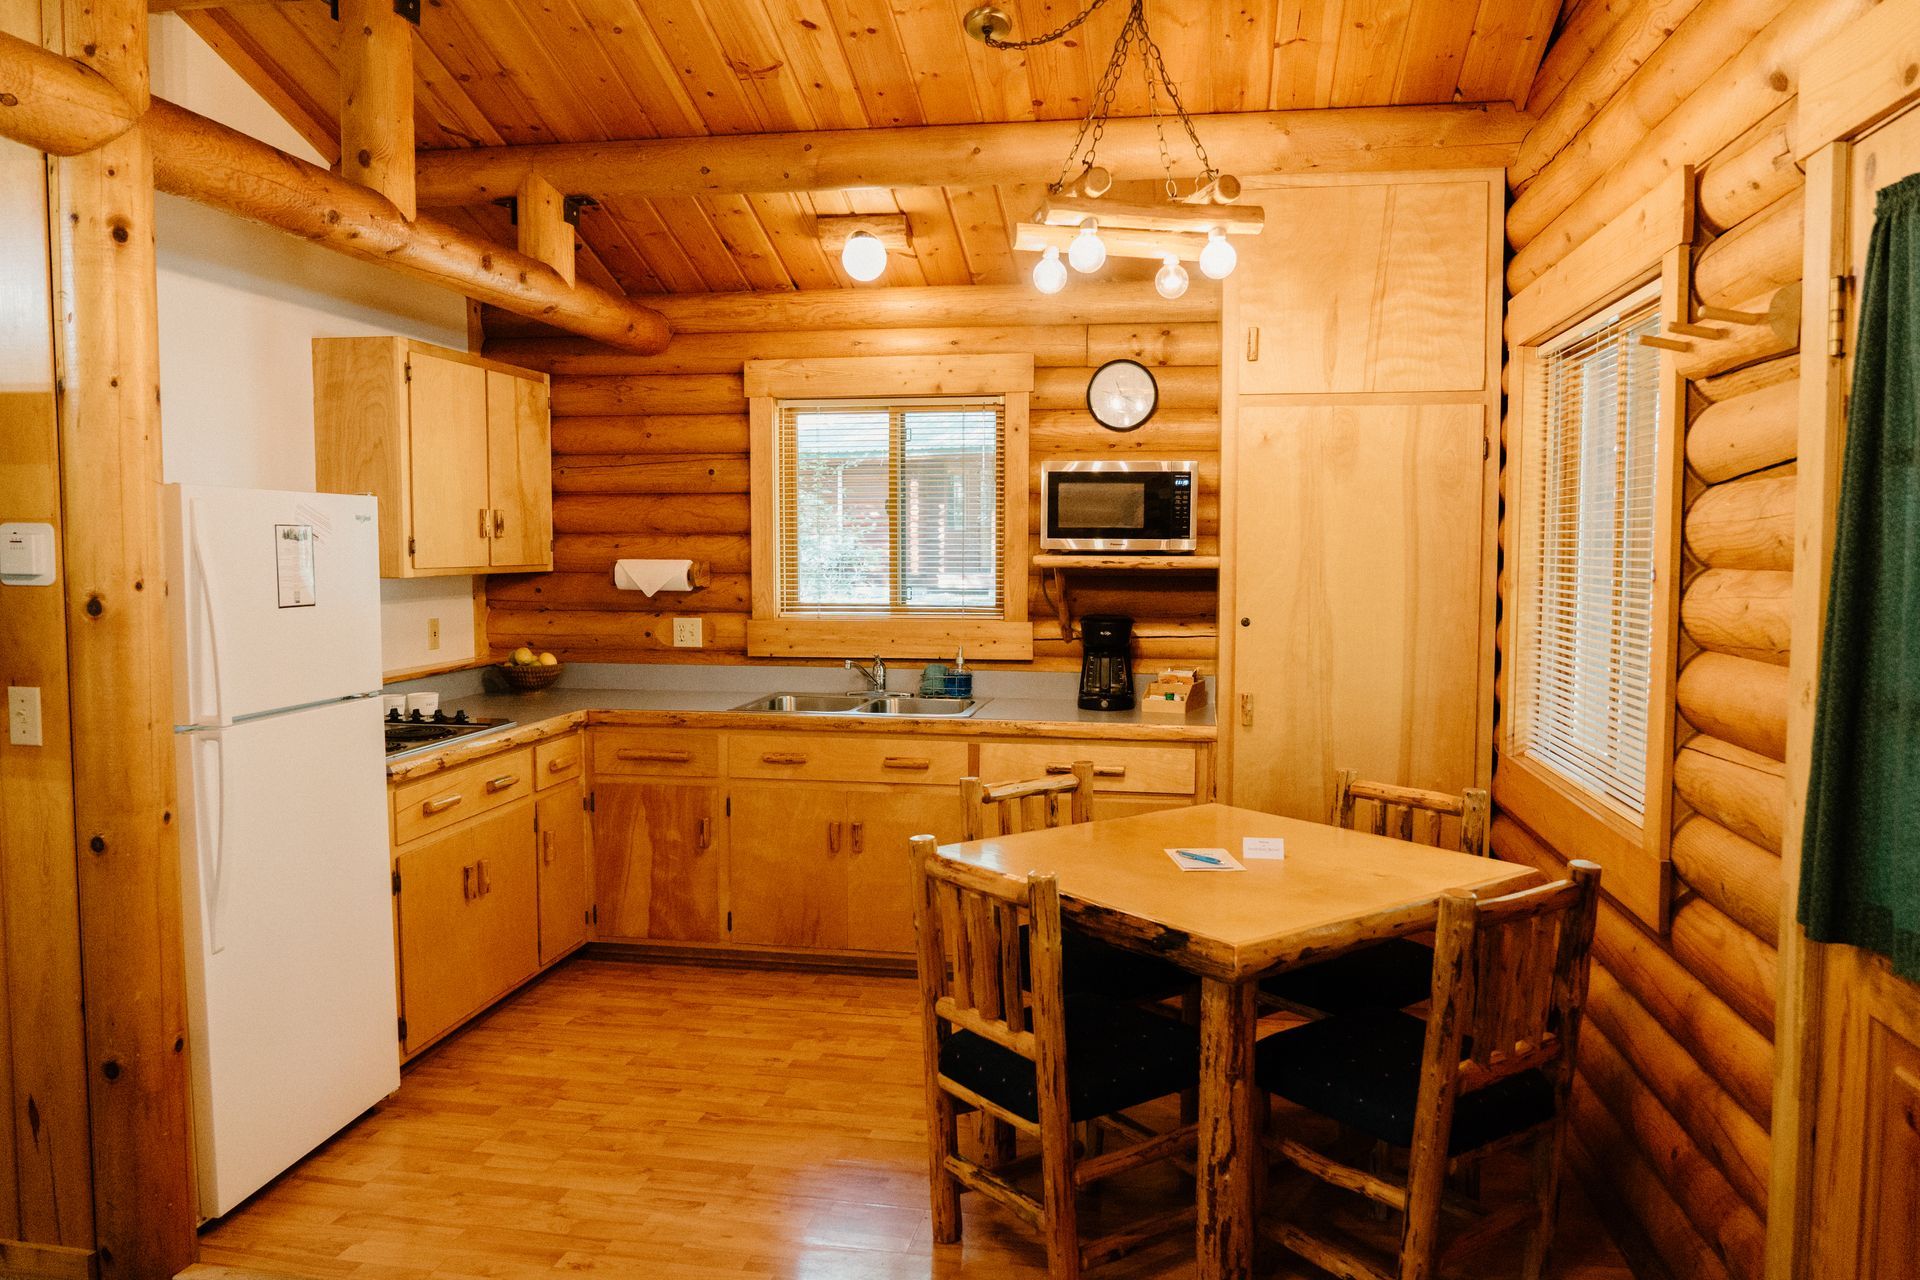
[654, 575]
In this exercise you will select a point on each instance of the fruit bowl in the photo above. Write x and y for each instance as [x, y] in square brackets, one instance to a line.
[524, 673]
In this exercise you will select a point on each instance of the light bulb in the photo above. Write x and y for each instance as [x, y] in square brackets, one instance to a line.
[863, 256]
[1218, 258]
[1087, 253]
[1171, 279]
[1050, 274]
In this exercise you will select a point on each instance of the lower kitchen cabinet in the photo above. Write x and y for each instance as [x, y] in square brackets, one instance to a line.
[560, 827]
[788, 866]
[660, 855]
[879, 872]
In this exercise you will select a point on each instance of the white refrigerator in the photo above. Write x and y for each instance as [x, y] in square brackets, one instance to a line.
[286, 886]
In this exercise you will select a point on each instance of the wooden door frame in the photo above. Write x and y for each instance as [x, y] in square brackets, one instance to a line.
[1849, 86]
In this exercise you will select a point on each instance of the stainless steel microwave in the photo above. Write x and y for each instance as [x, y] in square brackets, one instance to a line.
[1118, 505]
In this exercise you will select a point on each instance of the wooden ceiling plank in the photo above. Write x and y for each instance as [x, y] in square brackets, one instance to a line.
[686, 221]
[752, 48]
[876, 61]
[442, 110]
[1366, 62]
[746, 241]
[574, 56]
[981, 224]
[639, 226]
[1306, 38]
[1581, 33]
[935, 50]
[1527, 57]
[1510, 36]
[806, 31]
[936, 240]
[1188, 36]
[789, 222]
[1243, 62]
[283, 91]
[641, 66]
[1057, 72]
[1437, 39]
[606, 254]
[704, 70]
[486, 83]
[546, 85]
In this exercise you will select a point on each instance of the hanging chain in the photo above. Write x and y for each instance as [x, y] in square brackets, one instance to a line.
[993, 42]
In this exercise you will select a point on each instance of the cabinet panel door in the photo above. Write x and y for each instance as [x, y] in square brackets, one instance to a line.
[562, 823]
[879, 889]
[1394, 300]
[509, 902]
[787, 866]
[439, 926]
[659, 852]
[519, 470]
[447, 404]
[1361, 587]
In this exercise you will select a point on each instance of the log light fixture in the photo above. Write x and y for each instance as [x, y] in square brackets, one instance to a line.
[1190, 227]
[863, 241]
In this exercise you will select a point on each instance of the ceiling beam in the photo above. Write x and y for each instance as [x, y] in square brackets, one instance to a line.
[1327, 140]
[376, 100]
[58, 105]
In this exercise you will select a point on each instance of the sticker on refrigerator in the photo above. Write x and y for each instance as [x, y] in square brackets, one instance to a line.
[293, 560]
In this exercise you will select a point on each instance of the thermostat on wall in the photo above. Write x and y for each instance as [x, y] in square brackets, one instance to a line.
[26, 555]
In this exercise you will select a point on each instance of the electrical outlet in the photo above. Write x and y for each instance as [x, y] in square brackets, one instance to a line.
[686, 633]
[23, 715]
[433, 633]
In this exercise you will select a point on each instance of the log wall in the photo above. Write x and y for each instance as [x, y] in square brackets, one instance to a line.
[1675, 1106]
[650, 459]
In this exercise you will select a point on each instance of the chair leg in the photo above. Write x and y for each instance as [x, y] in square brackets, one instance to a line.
[996, 1142]
[1420, 1230]
[1059, 1219]
[1546, 1190]
[943, 1141]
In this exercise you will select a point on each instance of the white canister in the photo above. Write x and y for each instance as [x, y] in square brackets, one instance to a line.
[393, 704]
[425, 703]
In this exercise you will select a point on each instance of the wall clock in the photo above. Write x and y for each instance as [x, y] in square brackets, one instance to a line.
[1122, 394]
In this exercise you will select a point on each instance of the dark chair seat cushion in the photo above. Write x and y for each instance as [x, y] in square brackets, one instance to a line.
[1117, 1057]
[1388, 975]
[1363, 1069]
[1090, 967]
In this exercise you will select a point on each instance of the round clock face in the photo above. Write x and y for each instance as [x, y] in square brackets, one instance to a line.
[1122, 395]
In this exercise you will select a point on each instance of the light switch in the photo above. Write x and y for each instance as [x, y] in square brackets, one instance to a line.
[23, 715]
[433, 633]
[26, 555]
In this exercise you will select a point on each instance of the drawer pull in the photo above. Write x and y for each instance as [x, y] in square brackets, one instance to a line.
[486, 523]
[833, 837]
[466, 883]
[485, 881]
[563, 764]
[666, 757]
[859, 837]
[1099, 770]
[440, 805]
[906, 762]
[499, 523]
[504, 782]
[703, 834]
[784, 757]
[546, 848]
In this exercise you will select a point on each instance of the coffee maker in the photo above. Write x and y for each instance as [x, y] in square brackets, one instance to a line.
[1106, 668]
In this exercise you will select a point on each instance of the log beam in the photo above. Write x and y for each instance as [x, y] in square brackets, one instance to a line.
[376, 101]
[541, 220]
[1337, 140]
[214, 165]
[58, 105]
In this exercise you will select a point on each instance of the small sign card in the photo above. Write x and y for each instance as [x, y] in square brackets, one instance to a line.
[1269, 848]
[1204, 860]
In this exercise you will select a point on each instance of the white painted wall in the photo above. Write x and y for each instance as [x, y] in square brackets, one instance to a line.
[239, 307]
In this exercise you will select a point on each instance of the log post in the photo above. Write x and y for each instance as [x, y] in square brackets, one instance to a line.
[545, 234]
[119, 650]
[376, 100]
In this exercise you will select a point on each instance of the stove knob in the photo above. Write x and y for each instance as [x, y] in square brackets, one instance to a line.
[393, 716]
[416, 716]
[460, 717]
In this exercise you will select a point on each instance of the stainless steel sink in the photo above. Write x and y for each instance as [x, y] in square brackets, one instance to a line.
[858, 704]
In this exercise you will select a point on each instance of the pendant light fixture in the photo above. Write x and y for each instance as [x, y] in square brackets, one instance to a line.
[1050, 274]
[1171, 279]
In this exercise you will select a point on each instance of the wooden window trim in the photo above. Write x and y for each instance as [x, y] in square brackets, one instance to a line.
[1007, 638]
[1635, 857]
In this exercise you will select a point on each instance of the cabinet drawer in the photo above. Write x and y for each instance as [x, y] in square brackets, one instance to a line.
[558, 761]
[1117, 766]
[690, 752]
[433, 804]
[848, 758]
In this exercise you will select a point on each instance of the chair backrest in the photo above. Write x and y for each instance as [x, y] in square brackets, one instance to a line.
[968, 925]
[1037, 804]
[1394, 810]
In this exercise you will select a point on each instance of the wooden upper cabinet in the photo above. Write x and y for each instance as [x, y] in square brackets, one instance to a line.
[456, 448]
[1365, 285]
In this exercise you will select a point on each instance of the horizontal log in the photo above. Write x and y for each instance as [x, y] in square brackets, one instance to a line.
[1732, 1139]
[1744, 524]
[1736, 875]
[1741, 969]
[1154, 344]
[225, 169]
[1748, 433]
[1748, 379]
[55, 104]
[579, 633]
[596, 552]
[1726, 1045]
[1624, 1188]
[1747, 613]
[1745, 344]
[1758, 255]
[1741, 790]
[724, 593]
[1182, 431]
[1184, 598]
[664, 433]
[1737, 699]
[1345, 140]
[661, 513]
[1717, 1211]
[1749, 173]
[725, 352]
[644, 393]
[636, 473]
[1181, 387]
[1587, 25]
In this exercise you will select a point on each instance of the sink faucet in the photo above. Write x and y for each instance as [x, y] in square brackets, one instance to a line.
[875, 676]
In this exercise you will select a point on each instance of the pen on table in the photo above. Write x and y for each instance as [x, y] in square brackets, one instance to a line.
[1199, 857]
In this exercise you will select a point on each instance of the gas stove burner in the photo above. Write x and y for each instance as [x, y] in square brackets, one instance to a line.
[438, 717]
[417, 732]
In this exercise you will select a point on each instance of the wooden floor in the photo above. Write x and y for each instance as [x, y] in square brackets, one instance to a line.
[672, 1123]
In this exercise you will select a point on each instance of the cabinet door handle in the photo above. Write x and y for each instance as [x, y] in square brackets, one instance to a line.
[502, 783]
[906, 762]
[499, 523]
[859, 836]
[703, 834]
[486, 523]
[1099, 770]
[440, 805]
[669, 757]
[833, 837]
[484, 879]
[1253, 342]
[562, 764]
[466, 883]
[546, 848]
[783, 757]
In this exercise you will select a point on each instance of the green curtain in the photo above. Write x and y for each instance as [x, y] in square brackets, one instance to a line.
[1860, 878]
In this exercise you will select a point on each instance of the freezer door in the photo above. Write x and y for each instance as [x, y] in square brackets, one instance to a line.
[275, 598]
[288, 908]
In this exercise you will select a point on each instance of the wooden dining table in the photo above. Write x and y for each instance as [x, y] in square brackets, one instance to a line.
[1331, 891]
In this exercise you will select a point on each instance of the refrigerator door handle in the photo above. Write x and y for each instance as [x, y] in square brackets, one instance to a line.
[211, 836]
[204, 578]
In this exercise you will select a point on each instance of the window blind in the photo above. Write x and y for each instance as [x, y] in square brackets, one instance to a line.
[890, 508]
[1584, 657]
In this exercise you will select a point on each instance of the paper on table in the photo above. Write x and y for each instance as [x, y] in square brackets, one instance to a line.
[1204, 860]
[1269, 847]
